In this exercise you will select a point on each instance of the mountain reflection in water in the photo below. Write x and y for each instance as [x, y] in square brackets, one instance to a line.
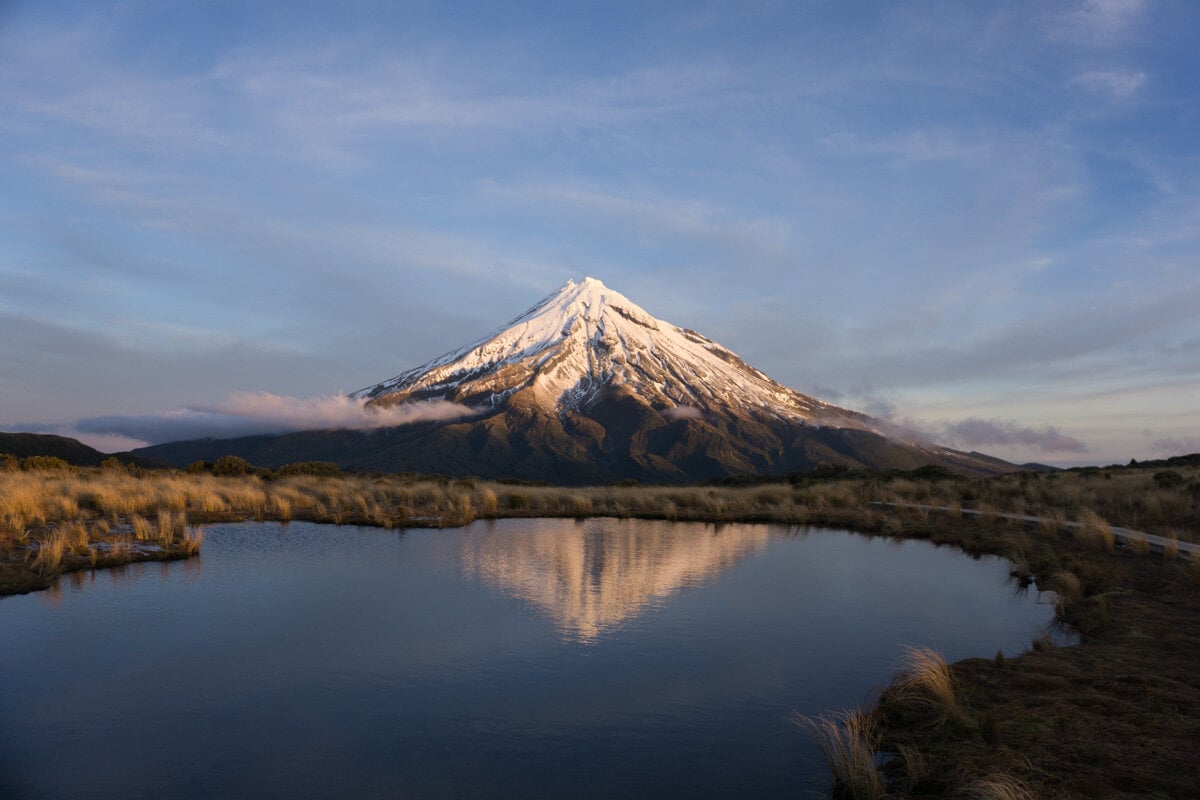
[599, 574]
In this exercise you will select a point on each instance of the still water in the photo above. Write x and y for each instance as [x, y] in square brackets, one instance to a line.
[518, 658]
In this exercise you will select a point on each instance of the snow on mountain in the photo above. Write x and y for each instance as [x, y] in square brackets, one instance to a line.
[585, 338]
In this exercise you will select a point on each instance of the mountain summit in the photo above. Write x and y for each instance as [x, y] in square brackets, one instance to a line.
[586, 341]
[587, 387]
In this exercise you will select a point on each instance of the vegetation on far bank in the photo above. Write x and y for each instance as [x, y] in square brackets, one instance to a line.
[1115, 716]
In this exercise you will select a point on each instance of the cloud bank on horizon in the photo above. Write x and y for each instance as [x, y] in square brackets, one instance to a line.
[974, 432]
[986, 213]
[250, 413]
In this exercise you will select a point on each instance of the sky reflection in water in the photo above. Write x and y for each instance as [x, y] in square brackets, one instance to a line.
[518, 658]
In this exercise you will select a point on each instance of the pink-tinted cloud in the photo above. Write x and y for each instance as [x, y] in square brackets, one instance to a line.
[1176, 446]
[682, 412]
[246, 413]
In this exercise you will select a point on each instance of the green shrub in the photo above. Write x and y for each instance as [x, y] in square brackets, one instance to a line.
[321, 469]
[44, 462]
[228, 466]
[9, 463]
[197, 467]
[1168, 479]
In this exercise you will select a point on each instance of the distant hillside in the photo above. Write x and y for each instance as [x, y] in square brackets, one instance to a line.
[73, 451]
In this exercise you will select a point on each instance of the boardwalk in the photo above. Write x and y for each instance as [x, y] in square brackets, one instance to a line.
[1123, 535]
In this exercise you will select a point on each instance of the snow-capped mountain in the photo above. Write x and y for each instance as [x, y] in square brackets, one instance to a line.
[587, 387]
[586, 339]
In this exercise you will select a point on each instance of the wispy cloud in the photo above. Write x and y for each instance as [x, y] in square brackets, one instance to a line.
[246, 414]
[660, 218]
[1101, 21]
[914, 145]
[1115, 84]
[976, 432]
[1176, 446]
[682, 412]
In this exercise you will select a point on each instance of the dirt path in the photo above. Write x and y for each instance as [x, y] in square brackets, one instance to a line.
[1157, 543]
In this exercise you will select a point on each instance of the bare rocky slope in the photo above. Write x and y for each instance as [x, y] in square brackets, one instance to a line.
[588, 387]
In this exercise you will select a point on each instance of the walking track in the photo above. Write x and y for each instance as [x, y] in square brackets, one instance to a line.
[1124, 535]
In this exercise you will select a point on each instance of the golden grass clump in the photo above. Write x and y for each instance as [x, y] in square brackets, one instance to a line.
[282, 506]
[191, 540]
[1138, 544]
[1171, 548]
[171, 525]
[141, 527]
[1068, 589]
[463, 510]
[47, 559]
[849, 741]
[1095, 530]
[926, 680]
[580, 504]
[488, 502]
[76, 536]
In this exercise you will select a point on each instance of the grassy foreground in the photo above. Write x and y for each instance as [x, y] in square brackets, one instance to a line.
[1115, 716]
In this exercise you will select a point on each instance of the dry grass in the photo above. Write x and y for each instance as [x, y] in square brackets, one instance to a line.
[1124, 496]
[926, 681]
[141, 528]
[1095, 530]
[1138, 544]
[849, 741]
[995, 787]
[47, 559]
[1068, 590]
[191, 540]
[1171, 548]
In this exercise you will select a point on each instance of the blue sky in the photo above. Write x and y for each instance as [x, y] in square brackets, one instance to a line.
[982, 220]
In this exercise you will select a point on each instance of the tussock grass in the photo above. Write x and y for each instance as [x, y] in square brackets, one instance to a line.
[1053, 523]
[76, 537]
[171, 525]
[848, 740]
[1171, 548]
[192, 539]
[47, 559]
[925, 681]
[282, 506]
[1068, 590]
[1138, 544]
[1095, 530]
[141, 527]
